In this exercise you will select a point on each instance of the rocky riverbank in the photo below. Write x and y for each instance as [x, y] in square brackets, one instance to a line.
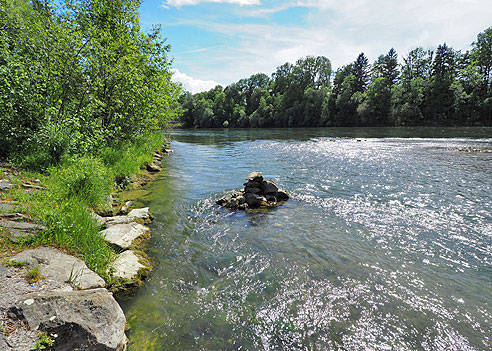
[53, 300]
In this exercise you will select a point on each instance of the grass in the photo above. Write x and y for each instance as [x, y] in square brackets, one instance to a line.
[16, 264]
[126, 160]
[34, 275]
[45, 342]
[77, 186]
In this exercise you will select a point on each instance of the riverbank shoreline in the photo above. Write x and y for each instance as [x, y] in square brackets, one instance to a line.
[34, 275]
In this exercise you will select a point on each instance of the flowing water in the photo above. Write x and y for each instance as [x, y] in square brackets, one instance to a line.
[386, 243]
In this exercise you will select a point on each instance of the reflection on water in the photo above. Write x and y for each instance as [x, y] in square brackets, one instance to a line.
[385, 245]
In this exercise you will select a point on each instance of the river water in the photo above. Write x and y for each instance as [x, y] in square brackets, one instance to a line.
[386, 243]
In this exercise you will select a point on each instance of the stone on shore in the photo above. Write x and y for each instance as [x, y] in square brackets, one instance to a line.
[6, 207]
[100, 220]
[3, 343]
[82, 320]
[123, 235]
[19, 230]
[55, 265]
[135, 214]
[153, 168]
[128, 266]
[5, 184]
[125, 207]
[21, 225]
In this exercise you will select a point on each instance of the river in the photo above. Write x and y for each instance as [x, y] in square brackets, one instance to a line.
[386, 243]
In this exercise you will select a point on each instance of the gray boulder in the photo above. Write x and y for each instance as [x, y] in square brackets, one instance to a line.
[21, 225]
[5, 184]
[138, 213]
[269, 187]
[125, 207]
[3, 343]
[254, 200]
[6, 206]
[153, 168]
[255, 177]
[252, 184]
[82, 320]
[100, 220]
[252, 190]
[128, 266]
[123, 235]
[55, 265]
[282, 195]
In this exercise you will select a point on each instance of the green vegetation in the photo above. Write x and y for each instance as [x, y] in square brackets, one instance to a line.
[443, 87]
[84, 96]
[79, 76]
[16, 264]
[45, 342]
[33, 275]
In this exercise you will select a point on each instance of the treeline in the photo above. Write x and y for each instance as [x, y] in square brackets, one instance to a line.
[444, 87]
[77, 76]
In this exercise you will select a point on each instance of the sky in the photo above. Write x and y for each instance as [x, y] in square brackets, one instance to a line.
[221, 41]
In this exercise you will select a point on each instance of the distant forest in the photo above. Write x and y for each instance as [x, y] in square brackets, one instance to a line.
[444, 87]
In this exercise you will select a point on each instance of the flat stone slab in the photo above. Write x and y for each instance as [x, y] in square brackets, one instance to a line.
[127, 265]
[5, 184]
[35, 187]
[17, 235]
[82, 320]
[55, 265]
[3, 343]
[6, 207]
[123, 235]
[25, 226]
[137, 213]
[3, 270]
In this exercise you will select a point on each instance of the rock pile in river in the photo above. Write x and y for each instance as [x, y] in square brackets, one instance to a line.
[257, 193]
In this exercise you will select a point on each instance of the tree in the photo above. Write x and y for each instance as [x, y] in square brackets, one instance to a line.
[417, 64]
[386, 67]
[482, 57]
[376, 106]
[440, 101]
[360, 70]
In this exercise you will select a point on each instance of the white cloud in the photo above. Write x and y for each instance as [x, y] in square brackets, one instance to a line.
[179, 3]
[339, 30]
[191, 84]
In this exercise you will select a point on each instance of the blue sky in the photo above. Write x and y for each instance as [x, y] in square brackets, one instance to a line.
[221, 41]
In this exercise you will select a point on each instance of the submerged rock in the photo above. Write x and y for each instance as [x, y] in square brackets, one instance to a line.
[257, 193]
[82, 320]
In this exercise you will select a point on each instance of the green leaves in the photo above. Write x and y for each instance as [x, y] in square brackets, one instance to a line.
[82, 72]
